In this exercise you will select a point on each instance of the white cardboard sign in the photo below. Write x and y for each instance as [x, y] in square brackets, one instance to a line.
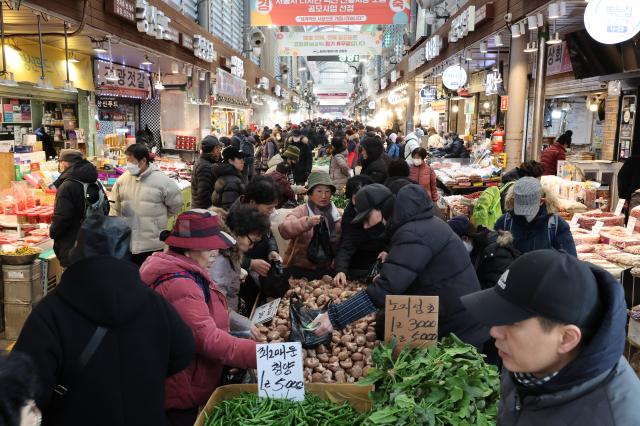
[597, 227]
[631, 225]
[619, 206]
[266, 312]
[280, 371]
[574, 220]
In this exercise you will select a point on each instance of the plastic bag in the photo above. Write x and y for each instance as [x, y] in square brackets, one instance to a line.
[320, 250]
[301, 316]
[374, 272]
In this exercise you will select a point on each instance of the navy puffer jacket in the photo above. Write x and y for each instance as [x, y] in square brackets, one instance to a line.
[427, 258]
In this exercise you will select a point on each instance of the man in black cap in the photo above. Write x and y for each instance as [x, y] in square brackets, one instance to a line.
[70, 206]
[559, 327]
[229, 182]
[202, 176]
[426, 258]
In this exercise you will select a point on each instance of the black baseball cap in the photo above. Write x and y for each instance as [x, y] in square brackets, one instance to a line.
[543, 283]
[368, 198]
[209, 142]
[232, 152]
[296, 133]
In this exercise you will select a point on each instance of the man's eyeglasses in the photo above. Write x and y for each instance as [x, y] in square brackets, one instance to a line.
[252, 241]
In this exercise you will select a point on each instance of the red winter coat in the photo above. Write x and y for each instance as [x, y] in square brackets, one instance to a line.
[215, 347]
[426, 177]
[551, 156]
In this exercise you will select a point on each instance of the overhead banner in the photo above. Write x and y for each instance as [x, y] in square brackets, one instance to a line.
[332, 12]
[329, 43]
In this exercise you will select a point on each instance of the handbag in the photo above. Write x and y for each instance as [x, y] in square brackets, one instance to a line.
[320, 250]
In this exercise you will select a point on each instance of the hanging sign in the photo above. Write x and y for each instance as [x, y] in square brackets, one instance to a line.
[428, 94]
[504, 103]
[558, 59]
[125, 9]
[413, 320]
[237, 67]
[328, 12]
[231, 86]
[372, 105]
[433, 47]
[280, 371]
[491, 83]
[348, 44]
[394, 76]
[612, 21]
[463, 24]
[133, 80]
[383, 83]
[454, 77]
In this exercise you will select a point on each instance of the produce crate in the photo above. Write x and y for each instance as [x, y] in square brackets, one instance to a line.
[357, 396]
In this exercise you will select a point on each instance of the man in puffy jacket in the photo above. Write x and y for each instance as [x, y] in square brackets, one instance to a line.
[562, 345]
[412, 141]
[302, 168]
[373, 163]
[202, 180]
[425, 258]
[230, 184]
[70, 207]
[532, 225]
[555, 153]
[139, 339]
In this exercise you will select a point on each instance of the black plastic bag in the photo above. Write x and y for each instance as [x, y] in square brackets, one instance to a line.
[301, 316]
[320, 250]
[374, 272]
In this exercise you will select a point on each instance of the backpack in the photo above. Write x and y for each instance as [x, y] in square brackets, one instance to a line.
[101, 205]
[552, 226]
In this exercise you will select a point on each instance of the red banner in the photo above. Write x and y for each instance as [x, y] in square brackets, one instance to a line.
[328, 12]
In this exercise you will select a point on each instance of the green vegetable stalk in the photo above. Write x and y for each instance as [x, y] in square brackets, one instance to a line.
[247, 409]
[447, 384]
[340, 200]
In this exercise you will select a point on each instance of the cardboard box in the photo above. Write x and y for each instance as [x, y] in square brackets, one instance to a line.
[15, 315]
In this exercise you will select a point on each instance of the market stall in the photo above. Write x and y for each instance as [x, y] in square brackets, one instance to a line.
[464, 176]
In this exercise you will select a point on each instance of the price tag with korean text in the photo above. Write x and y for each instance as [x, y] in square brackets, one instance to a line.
[412, 319]
[265, 312]
[574, 220]
[280, 372]
[619, 206]
[597, 227]
[631, 225]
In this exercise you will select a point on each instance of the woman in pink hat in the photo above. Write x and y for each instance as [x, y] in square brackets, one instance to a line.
[180, 274]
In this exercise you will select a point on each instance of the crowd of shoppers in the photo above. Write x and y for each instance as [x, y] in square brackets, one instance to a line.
[167, 310]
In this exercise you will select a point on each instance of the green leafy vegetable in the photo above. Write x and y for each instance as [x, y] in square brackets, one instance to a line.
[446, 384]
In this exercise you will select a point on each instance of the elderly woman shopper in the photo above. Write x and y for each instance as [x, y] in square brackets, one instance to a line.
[339, 169]
[299, 226]
[181, 275]
[249, 227]
[145, 197]
[421, 173]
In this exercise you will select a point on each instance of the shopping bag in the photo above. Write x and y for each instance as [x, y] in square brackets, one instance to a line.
[320, 250]
[301, 317]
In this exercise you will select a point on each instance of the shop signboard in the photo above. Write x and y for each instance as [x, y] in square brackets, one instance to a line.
[439, 106]
[230, 85]
[504, 103]
[277, 90]
[186, 41]
[150, 20]
[612, 21]
[558, 59]
[372, 105]
[492, 82]
[383, 83]
[131, 79]
[416, 59]
[107, 102]
[237, 67]
[329, 43]
[203, 48]
[266, 13]
[477, 81]
[454, 77]
[172, 35]
[396, 97]
[394, 76]
[125, 9]
[483, 13]
[428, 94]
[462, 24]
[433, 47]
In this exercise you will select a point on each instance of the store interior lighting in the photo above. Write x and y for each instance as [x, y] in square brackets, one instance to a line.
[455, 108]
[484, 48]
[146, 61]
[98, 47]
[523, 28]
[515, 31]
[486, 105]
[497, 40]
[555, 39]
[189, 70]
[72, 58]
[532, 22]
[203, 75]
[175, 67]
[556, 114]
[532, 47]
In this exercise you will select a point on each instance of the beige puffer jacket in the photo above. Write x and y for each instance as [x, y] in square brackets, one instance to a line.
[146, 202]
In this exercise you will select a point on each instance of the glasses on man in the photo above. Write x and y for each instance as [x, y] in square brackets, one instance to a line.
[253, 241]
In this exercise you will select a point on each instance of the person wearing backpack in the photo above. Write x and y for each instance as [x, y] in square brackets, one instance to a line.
[534, 221]
[77, 188]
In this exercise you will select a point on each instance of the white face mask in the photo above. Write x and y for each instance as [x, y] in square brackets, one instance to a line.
[417, 161]
[469, 246]
[133, 169]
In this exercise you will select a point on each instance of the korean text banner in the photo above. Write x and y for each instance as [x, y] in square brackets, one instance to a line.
[329, 43]
[328, 12]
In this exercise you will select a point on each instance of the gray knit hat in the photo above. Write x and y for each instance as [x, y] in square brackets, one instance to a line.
[527, 194]
[319, 177]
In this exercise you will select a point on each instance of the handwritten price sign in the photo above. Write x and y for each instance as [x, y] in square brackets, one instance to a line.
[280, 372]
[412, 319]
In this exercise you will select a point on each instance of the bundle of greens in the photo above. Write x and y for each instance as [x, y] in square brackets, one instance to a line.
[446, 384]
[340, 200]
[247, 409]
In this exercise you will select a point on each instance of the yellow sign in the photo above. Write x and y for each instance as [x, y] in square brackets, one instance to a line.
[24, 63]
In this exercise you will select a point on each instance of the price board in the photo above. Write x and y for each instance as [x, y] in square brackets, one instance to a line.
[574, 220]
[597, 227]
[280, 372]
[619, 206]
[631, 225]
[412, 319]
[265, 312]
